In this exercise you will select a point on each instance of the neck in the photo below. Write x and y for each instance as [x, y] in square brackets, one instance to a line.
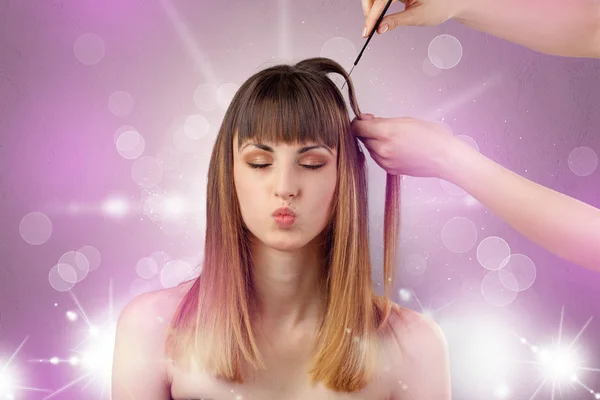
[289, 286]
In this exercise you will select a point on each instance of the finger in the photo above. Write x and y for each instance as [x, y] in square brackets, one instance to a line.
[408, 17]
[366, 6]
[373, 15]
[363, 129]
[371, 144]
[374, 152]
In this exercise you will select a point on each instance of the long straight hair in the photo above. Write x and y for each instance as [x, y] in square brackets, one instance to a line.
[213, 325]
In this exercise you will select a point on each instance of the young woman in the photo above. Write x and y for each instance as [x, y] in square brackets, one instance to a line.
[283, 307]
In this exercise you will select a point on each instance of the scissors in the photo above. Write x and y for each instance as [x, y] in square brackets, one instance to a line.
[370, 36]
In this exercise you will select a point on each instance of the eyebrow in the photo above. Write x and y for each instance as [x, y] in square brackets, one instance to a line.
[300, 151]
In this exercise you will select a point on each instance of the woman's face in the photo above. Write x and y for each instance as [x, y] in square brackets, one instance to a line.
[285, 181]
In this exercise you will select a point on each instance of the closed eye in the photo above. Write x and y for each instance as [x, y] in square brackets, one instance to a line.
[266, 165]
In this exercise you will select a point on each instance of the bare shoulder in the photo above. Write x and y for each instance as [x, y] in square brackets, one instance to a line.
[412, 329]
[139, 366]
[423, 358]
[153, 309]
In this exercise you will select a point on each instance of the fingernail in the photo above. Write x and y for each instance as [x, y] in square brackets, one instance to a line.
[367, 116]
[383, 29]
[365, 32]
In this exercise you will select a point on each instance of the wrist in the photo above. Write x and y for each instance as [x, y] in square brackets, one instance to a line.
[460, 11]
[457, 159]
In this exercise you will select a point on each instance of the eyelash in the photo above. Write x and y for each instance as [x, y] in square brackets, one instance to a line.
[261, 166]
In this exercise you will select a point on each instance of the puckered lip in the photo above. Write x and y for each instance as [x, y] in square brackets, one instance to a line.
[284, 211]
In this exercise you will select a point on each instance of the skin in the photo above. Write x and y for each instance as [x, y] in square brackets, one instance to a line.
[287, 261]
[420, 148]
[415, 351]
[415, 364]
[556, 27]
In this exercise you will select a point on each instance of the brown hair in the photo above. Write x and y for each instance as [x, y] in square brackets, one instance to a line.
[213, 324]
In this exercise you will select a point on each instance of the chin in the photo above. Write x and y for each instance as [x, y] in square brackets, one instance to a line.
[285, 245]
[284, 240]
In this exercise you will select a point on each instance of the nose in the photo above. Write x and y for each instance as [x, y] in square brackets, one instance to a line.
[286, 196]
[286, 184]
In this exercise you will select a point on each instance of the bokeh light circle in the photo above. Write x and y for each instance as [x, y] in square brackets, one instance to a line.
[67, 273]
[494, 291]
[183, 143]
[225, 94]
[339, 49]
[468, 140]
[130, 145]
[583, 161]
[89, 48]
[459, 234]
[174, 272]
[92, 255]
[79, 264]
[519, 273]
[146, 172]
[56, 280]
[35, 228]
[161, 258]
[146, 268]
[196, 127]
[493, 253]
[205, 97]
[120, 103]
[445, 51]
[122, 129]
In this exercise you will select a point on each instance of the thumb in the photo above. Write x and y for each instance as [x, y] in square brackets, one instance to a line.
[409, 17]
[366, 116]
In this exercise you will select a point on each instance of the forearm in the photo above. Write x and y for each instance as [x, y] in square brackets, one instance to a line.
[556, 27]
[561, 224]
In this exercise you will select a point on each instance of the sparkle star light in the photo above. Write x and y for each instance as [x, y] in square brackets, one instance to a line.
[427, 311]
[488, 354]
[10, 380]
[560, 363]
[94, 354]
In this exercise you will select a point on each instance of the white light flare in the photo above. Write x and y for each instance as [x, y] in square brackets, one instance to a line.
[174, 205]
[7, 385]
[560, 364]
[482, 353]
[94, 355]
[97, 357]
[10, 380]
[115, 207]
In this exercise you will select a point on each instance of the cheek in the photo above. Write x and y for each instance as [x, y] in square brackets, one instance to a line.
[244, 188]
[322, 193]
[252, 205]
